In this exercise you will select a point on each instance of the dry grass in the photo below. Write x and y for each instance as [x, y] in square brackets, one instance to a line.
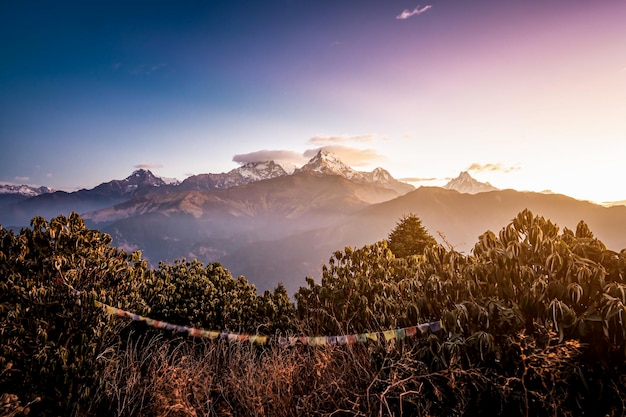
[194, 378]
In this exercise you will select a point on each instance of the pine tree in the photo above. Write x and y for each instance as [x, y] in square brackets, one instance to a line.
[409, 237]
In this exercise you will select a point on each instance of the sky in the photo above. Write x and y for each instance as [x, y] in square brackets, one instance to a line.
[529, 94]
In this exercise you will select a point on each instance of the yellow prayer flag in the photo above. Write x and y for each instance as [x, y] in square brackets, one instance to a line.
[372, 336]
[389, 334]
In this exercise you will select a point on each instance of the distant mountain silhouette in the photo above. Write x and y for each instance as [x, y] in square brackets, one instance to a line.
[18, 209]
[464, 183]
[140, 182]
[284, 229]
[460, 218]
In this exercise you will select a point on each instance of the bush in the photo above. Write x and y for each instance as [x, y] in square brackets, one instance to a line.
[51, 338]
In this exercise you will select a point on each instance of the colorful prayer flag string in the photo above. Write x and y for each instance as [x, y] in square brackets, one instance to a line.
[340, 340]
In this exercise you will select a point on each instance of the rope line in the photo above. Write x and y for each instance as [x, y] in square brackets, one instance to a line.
[350, 339]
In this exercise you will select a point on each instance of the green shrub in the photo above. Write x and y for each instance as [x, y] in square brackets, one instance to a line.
[50, 337]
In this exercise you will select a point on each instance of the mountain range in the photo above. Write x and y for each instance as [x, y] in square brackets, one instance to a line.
[272, 226]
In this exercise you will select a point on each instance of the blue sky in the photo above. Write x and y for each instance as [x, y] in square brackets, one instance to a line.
[528, 95]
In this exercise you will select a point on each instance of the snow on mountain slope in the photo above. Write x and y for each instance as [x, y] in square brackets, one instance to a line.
[465, 184]
[24, 190]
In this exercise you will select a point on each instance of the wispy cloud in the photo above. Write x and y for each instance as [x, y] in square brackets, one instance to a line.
[326, 140]
[350, 156]
[497, 167]
[149, 165]
[410, 13]
[278, 156]
[21, 179]
[419, 179]
[146, 69]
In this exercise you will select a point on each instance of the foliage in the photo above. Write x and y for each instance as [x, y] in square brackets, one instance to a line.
[517, 295]
[50, 339]
[534, 323]
[361, 289]
[189, 293]
[409, 237]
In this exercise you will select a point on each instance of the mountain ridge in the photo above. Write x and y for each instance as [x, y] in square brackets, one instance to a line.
[466, 184]
[18, 211]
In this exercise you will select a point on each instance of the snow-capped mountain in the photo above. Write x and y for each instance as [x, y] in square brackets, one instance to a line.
[465, 184]
[11, 194]
[245, 174]
[141, 182]
[24, 190]
[327, 163]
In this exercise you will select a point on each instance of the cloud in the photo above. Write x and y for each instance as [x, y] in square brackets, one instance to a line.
[498, 167]
[146, 69]
[350, 156]
[419, 179]
[278, 156]
[21, 179]
[325, 140]
[417, 11]
[149, 165]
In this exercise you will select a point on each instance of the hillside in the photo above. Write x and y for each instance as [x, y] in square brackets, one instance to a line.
[284, 229]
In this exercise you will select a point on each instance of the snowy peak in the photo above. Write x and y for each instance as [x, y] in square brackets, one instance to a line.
[327, 163]
[256, 171]
[140, 181]
[465, 184]
[144, 177]
[245, 174]
[24, 190]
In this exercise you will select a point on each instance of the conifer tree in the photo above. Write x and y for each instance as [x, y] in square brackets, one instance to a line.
[409, 237]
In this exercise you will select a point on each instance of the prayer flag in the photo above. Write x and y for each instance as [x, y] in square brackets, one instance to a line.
[389, 334]
[435, 326]
[400, 334]
[372, 336]
[411, 331]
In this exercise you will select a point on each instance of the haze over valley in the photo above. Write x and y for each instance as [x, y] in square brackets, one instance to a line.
[272, 226]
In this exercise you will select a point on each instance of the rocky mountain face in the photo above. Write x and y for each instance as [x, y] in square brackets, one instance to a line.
[140, 182]
[245, 174]
[465, 184]
[24, 190]
[17, 211]
[327, 163]
[10, 194]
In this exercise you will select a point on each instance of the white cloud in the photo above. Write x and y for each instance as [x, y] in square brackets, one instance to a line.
[278, 156]
[341, 139]
[149, 165]
[21, 179]
[490, 167]
[410, 13]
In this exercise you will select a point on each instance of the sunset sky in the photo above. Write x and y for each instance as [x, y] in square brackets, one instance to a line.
[526, 94]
